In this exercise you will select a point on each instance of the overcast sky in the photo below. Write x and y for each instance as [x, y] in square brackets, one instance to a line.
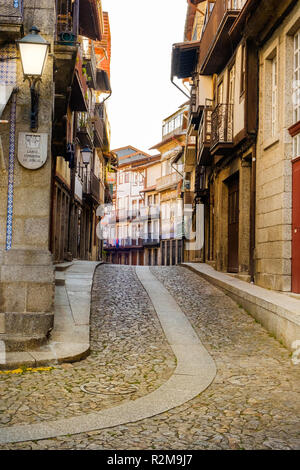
[142, 33]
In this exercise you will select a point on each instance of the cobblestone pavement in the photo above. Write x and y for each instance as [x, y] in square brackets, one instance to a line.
[130, 358]
[252, 404]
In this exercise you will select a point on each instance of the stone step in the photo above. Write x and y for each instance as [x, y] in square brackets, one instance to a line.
[15, 343]
[59, 278]
[62, 266]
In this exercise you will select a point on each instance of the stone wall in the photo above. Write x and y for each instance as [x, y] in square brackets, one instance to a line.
[26, 270]
[274, 168]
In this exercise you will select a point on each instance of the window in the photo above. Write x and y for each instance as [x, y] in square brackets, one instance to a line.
[296, 146]
[236, 4]
[271, 95]
[126, 177]
[121, 178]
[274, 96]
[220, 93]
[296, 78]
[243, 69]
[231, 85]
[173, 124]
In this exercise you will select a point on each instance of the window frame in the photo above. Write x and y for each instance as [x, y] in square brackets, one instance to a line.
[274, 96]
[296, 77]
[243, 70]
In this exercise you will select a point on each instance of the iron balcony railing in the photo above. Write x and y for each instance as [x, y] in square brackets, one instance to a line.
[222, 125]
[99, 131]
[219, 21]
[91, 186]
[175, 125]
[127, 242]
[67, 21]
[204, 135]
[151, 239]
[100, 112]
[11, 11]
[85, 131]
[89, 62]
[167, 180]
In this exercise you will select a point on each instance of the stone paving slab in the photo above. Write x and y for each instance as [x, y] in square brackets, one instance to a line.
[69, 339]
[277, 312]
[123, 324]
[253, 402]
[192, 375]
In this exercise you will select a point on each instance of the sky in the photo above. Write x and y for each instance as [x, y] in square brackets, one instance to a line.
[142, 34]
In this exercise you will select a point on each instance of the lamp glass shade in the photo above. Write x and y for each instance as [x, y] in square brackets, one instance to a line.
[86, 154]
[33, 50]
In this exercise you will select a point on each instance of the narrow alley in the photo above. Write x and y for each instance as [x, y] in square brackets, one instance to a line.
[251, 403]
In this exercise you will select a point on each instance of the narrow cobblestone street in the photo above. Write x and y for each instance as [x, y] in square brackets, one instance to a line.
[253, 403]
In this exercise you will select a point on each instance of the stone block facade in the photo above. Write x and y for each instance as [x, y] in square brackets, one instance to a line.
[26, 268]
[274, 160]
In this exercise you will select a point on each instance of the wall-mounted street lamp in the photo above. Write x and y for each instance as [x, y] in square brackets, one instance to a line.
[33, 51]
[86, 154]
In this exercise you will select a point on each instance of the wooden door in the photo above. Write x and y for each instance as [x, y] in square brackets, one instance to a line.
[141, 258]
[233, 225]
[168, 253]
[296, 228]
[134, 258]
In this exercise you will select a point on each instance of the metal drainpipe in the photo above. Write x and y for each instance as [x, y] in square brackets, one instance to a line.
[107, 97]
[172, 81]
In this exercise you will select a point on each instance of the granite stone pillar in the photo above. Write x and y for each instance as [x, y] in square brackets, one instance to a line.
[26, 267]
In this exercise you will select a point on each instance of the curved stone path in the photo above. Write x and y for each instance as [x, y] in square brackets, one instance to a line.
[194, 372]
[123, 325]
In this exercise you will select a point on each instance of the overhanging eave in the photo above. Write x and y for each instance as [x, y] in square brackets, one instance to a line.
[184, 59]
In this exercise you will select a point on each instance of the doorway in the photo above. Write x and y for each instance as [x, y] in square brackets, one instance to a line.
[233, 224]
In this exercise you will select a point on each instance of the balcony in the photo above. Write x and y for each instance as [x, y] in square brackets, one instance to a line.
[167, 181]
[84, 129]
[143, 213]
[151, 239]
[201, 188]
[103, 126]
[173, 126]
[99, 131]
[194, 108]
[79, 94]
[78, 188]
[91, 19]
[90, 62]
[91, 186]
[222, 128]
[102, 192]
[216, 47]
[11, 19]
[123, 243]
[154, 211]
[204, 137]
[67, 22]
